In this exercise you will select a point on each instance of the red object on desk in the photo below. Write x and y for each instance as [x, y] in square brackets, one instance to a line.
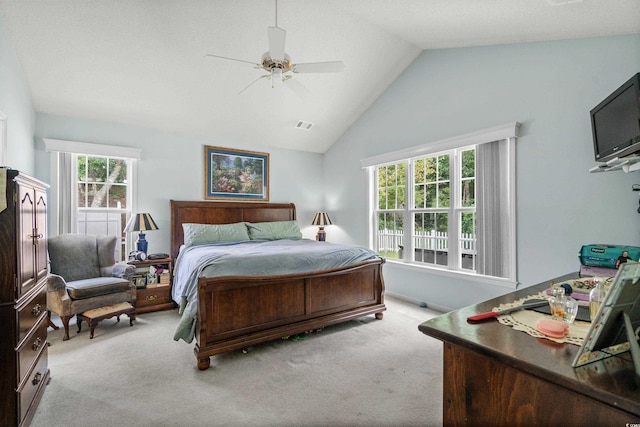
[491, 314]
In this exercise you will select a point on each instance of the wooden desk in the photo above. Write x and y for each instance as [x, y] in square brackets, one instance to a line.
[497, 376]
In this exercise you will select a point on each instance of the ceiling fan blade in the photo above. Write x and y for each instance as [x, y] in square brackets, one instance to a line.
[251, 84]
[277, 38]
[318, 67]
[297, 87]
[234, 59]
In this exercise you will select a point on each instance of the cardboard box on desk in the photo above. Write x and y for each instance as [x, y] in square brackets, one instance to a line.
[164, 279]
[607, 256]
[588, 271]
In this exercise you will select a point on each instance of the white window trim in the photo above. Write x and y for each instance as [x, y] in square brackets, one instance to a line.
[510, 132]
[63, 146]
[506, 131]
[455, 274]
[512, 207]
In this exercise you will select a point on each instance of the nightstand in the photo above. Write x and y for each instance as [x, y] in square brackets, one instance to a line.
[153, 292]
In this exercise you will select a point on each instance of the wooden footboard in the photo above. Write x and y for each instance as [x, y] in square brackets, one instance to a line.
[236, 312]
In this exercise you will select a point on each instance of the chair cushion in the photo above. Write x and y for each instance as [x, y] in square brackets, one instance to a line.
[89, 288]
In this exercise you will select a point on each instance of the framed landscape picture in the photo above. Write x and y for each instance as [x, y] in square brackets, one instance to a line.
[235, 174]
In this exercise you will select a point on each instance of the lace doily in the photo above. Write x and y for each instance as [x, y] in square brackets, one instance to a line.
[525, 321]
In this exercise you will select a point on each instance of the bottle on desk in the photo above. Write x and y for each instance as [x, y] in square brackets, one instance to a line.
[563, 307]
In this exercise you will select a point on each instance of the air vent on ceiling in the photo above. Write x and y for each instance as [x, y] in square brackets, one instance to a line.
[304, 125]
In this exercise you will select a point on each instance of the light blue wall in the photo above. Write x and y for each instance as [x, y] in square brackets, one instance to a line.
[172, 167]
[15, 103]
[549, 87]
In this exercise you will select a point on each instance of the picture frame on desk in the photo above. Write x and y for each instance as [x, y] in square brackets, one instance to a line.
[613, 329]
[140, 281]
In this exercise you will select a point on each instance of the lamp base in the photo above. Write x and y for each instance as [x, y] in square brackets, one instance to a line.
[142, 243]
[322, 235]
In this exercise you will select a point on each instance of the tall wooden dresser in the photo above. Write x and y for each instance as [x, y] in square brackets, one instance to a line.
[23, 296]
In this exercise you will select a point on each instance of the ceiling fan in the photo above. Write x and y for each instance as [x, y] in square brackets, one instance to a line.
[278, 64]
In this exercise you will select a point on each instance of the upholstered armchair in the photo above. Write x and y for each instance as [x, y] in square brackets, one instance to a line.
[83, 275]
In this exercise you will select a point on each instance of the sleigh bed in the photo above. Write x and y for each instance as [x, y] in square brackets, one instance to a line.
[237, 311]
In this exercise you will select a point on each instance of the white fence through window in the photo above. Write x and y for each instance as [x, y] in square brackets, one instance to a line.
[393, 241]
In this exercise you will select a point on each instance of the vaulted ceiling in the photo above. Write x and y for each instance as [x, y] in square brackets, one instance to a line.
[144, 62]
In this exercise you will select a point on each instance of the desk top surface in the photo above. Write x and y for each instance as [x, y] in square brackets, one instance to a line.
[612, 381]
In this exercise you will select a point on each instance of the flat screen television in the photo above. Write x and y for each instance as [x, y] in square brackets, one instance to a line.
[615, 122]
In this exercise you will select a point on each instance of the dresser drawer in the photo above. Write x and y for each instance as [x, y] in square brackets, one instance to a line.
[36, 380]
[153, 296]
[31, 348]
[28, 314]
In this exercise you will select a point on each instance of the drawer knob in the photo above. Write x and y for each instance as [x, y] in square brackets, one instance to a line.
[37, 378]
[36, 310]
[37, 343]
[151, 297]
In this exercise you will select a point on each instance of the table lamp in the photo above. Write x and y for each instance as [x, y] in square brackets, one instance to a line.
[141, 222]
[321, 219]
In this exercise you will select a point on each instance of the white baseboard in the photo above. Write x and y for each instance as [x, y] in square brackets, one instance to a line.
[418, 302]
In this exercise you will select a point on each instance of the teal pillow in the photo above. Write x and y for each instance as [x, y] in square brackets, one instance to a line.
[275, 230]
[200, 234]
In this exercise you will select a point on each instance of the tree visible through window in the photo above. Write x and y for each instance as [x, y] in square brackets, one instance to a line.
[440, 209]
[102, 196]
[391, 204]
[102, 182]
[449, 204]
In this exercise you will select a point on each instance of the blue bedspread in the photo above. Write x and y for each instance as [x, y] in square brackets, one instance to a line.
[252, 258]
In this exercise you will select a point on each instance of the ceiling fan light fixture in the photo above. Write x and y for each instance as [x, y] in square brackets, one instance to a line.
[276, 77]
[270, 64]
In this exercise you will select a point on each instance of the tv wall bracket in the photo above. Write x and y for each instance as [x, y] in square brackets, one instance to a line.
[626, 164]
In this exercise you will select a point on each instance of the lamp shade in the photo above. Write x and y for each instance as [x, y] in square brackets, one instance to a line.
[140, 222]
[321, 219]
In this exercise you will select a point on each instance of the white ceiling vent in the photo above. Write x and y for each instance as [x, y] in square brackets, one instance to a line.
[304, 125]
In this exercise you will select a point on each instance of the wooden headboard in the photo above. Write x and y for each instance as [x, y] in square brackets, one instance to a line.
[201, 212]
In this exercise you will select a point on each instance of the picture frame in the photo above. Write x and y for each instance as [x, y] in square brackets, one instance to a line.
[140, 281]
[614, 329]
[232, 174]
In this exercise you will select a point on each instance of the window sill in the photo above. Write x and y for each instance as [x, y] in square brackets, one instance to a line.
[472, 277]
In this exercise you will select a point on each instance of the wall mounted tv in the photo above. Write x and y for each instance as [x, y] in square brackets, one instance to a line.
[615, 122]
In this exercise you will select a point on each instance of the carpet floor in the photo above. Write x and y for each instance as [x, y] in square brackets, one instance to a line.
[364, 372]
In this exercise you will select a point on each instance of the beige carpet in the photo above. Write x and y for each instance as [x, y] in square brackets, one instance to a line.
[365, 372]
